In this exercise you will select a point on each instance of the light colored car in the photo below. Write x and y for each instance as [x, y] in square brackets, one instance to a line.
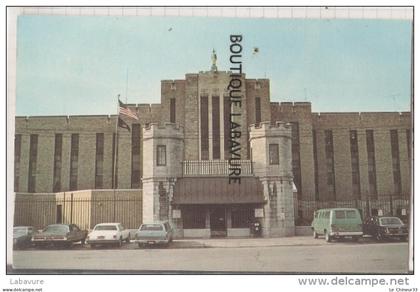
[108, 233]
[154, 233]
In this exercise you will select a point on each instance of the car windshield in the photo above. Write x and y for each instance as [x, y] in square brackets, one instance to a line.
[59, 229]
[390, 221]
[105, 227]
[151, 227]
[19, 231]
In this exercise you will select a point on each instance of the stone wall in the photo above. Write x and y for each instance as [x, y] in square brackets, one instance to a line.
[277, 178]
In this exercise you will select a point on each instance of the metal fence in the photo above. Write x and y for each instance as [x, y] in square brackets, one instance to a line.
[384, 205]
[84, 212]
[87, 212]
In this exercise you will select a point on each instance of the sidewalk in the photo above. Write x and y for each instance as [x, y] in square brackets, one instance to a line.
[247, 242]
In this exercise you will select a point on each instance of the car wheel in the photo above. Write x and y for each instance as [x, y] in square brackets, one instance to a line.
[379, 236]
[93, 246]
[128, 239]
[83, 241]
[119, 244]
[139, 245]
[327, 237]
[355, 238]
[315, 235]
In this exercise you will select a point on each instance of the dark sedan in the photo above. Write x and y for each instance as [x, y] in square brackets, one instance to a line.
[384, 227]
[22, 236]
[60, 235]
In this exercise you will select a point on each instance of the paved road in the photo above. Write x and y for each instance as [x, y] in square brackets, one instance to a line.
[337, 257]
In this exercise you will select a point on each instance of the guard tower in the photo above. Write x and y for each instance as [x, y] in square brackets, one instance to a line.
[271, 147]
[162, 156]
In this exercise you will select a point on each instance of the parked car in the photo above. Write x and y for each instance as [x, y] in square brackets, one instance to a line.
[59, 235]
[384, 227]
[154, 233]
[337, 223]
[22, 236]
[108, 233]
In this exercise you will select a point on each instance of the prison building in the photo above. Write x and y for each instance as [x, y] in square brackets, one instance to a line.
[175, 160]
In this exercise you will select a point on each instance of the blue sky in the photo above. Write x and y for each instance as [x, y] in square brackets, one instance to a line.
[78, 65]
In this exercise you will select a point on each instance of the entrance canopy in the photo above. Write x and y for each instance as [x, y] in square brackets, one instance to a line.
[217, 190]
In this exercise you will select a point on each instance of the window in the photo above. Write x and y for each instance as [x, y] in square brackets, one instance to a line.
[297, 179]
[242, 217]
[135, 156]
[330, 178]
[329, 154]
[315, 153]
[151, 227]
[114, 163]
[161, 155]
[33, 153]
[105, 227]
[18, 146]
[194, 217]
[257, 110]
[354, 153]
[273, 154]
[340, 214]
[99, 161]
[226, 125]
[57, 162]
[59, 214]
[370, 144]
[74, 160]
[395, 152]
[351, 214]
[408, 137]
[355, 181]
[204, 127]
[300, 214]
[172, 113]
[216, 126]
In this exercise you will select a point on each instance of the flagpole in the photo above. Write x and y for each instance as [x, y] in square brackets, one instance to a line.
[114, 182]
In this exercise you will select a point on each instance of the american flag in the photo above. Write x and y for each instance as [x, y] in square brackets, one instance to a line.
[124, 110]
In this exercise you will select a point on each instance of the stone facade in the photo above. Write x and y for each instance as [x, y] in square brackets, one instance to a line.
[277, 176]
[158, 180]
[177, 123]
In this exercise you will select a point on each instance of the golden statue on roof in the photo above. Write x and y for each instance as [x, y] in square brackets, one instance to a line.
[214, 60]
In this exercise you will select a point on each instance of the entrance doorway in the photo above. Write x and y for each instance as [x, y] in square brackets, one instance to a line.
[218, 222]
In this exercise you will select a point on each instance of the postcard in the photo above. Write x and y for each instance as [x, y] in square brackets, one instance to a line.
[185, 144]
